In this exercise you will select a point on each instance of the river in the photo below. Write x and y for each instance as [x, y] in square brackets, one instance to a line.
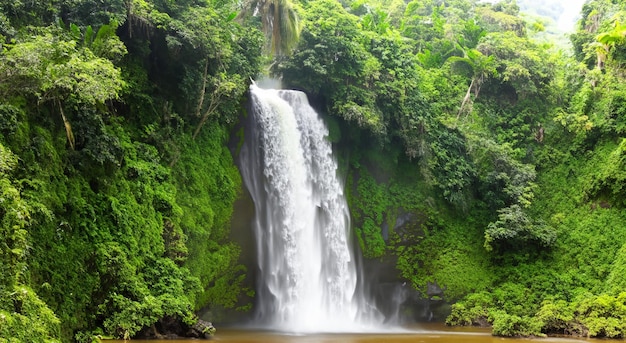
[427, 333]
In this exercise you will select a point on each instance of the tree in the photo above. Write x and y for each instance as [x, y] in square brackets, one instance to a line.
[279, 22]
[376, 20]
[23, 316]
[425, 22]
[471, 34]
[481, 67]
[211, 57]
[330, 61]
[610, 40]
[593, 21]
[502, 17]
[514, 229]
[520, 63]
[56, 70]
[223, 86]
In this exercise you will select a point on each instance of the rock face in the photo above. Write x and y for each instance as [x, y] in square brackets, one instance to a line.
[201, 329]
[393, 295]
[433, 290]
[173, 328]
[401, 304]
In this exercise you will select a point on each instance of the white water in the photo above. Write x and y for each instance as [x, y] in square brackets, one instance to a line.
[308, 280]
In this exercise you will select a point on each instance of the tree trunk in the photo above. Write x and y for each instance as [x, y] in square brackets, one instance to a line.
[212, 107]
[466, 98]
[203, 89]
[68, 127]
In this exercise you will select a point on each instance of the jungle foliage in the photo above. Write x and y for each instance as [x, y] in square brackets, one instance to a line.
[117, 186]
[476, 157]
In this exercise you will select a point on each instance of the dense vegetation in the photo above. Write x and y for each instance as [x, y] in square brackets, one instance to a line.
[117, 187]
[475, 156]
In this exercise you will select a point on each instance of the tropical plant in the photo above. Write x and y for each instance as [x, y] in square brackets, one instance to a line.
[52, 69]
[481, 67]
[609, 40]
[279, 22]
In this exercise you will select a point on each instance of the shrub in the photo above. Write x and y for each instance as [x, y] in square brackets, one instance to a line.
[508, 325]
[603, 315]
[556, 317]
[30, 319]
[473, 310]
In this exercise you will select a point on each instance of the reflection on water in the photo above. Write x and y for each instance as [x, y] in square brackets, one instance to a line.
[422, 334]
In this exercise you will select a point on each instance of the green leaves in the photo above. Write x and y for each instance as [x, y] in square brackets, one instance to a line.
[29, 319]
[616, 282]
[515, 229]
[481, 67]
[518, 62]
[370, 203]
[508, 187]
[451, 166]
[280, 22]
[50, 67]
[98, 231]
[473, 310]
[508, 325]
[613, 37]
[501, 19]
[587, 315]
[86, 79]
[604, 315]
[609, 180]
[23, 315]
[376, 20]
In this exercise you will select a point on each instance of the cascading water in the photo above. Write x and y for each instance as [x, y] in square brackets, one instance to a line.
[307, 272]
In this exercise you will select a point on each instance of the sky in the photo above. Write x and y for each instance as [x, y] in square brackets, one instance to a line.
[569, 16]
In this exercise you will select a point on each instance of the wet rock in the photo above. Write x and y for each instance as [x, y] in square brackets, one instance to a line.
[201, 329]
[433, 290]
[400, 303]
[170, 327]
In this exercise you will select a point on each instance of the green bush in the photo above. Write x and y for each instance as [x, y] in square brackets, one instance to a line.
[603, 315]
[475, 309]
[556, 317]
[29, 319]
[508, 325]
[370, 203]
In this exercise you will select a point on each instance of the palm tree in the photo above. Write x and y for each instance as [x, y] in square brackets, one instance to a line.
[609, 40]
[279, 22]
[613, 37]
[481, 66]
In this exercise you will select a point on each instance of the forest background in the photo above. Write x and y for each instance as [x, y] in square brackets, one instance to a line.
[476, 154]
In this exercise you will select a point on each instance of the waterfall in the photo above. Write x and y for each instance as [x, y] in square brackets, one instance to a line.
[307, 277]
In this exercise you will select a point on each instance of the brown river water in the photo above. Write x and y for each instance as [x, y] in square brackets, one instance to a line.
[428, 333]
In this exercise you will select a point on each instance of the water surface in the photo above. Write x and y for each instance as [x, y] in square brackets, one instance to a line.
[431, 333]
